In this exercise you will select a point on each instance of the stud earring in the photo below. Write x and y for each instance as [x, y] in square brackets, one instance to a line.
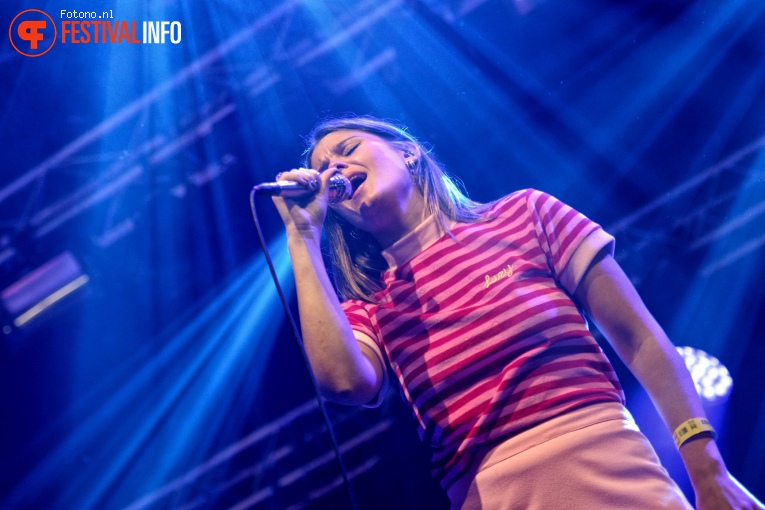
[411, 165]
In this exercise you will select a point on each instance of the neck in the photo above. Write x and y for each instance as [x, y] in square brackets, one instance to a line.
[400, 225]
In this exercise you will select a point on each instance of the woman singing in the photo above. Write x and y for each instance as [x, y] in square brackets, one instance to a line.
[478, 310]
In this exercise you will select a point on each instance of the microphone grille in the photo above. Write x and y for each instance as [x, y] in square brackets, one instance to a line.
[339, 188]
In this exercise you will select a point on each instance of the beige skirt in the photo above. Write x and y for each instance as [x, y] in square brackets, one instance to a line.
[592, 458]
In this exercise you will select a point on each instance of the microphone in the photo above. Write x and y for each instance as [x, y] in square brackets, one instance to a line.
[339, 189]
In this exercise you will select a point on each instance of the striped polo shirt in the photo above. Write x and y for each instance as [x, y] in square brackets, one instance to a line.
[480, 328]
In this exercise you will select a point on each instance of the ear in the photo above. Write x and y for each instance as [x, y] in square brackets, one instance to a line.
[410, 150]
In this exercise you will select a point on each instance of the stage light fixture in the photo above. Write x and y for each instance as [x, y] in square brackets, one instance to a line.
[42, 288]
[712, 379]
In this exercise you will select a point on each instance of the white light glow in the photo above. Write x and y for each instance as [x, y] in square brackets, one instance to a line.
[712, 380]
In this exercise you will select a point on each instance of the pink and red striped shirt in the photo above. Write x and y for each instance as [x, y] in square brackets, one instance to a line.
[481, 330]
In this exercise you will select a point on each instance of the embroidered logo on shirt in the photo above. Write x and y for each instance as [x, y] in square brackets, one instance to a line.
[490, 280]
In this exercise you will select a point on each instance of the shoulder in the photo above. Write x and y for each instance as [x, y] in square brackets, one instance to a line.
[356, 306]
[511, 202]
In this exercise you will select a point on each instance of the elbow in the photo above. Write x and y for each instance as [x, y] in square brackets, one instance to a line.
[354, 382]
[351, 393]
[347, 398]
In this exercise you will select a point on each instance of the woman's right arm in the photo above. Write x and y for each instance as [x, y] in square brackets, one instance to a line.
[347, 372]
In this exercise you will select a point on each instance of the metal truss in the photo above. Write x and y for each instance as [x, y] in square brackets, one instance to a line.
[703, 211]
[278, 457]
[40, 210]
[104, 178]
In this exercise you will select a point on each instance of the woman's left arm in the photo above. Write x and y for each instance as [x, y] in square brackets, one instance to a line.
[612, 302]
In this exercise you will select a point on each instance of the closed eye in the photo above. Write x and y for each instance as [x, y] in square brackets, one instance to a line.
[349, 151]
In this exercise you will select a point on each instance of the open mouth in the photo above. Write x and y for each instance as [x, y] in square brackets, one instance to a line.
[356, 181]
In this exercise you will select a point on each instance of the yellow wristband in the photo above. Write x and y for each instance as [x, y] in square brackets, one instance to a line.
[692, 427]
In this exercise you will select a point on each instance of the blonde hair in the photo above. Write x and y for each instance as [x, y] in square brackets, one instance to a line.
[356, 260]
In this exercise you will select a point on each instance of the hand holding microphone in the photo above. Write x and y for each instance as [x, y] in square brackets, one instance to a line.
[339, 188]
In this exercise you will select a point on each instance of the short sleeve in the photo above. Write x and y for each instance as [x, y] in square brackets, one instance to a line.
[364, 339]
[365, 334]
[583, 256]
[569, 240]
[359, 318]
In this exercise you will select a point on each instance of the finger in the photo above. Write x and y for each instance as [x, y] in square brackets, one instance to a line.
[326, 175]
[308, 177]
[289, 175]
[304, 176]
[314, 178]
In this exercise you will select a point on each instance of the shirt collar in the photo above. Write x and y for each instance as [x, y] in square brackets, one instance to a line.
[416, 241]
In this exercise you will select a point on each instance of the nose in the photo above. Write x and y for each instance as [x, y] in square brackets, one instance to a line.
[340, 165]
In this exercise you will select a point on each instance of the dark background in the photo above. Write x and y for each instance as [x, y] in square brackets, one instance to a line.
[171, 380]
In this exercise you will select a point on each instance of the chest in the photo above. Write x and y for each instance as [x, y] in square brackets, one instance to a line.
[472, 270]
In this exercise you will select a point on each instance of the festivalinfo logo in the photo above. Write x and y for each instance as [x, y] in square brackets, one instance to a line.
[34, 32]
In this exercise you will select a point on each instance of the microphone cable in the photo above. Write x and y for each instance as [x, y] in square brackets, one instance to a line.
[301, 348]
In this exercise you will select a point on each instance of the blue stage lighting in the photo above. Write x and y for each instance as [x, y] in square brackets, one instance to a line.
[193, 389]
[713, 381]
[42, 288]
